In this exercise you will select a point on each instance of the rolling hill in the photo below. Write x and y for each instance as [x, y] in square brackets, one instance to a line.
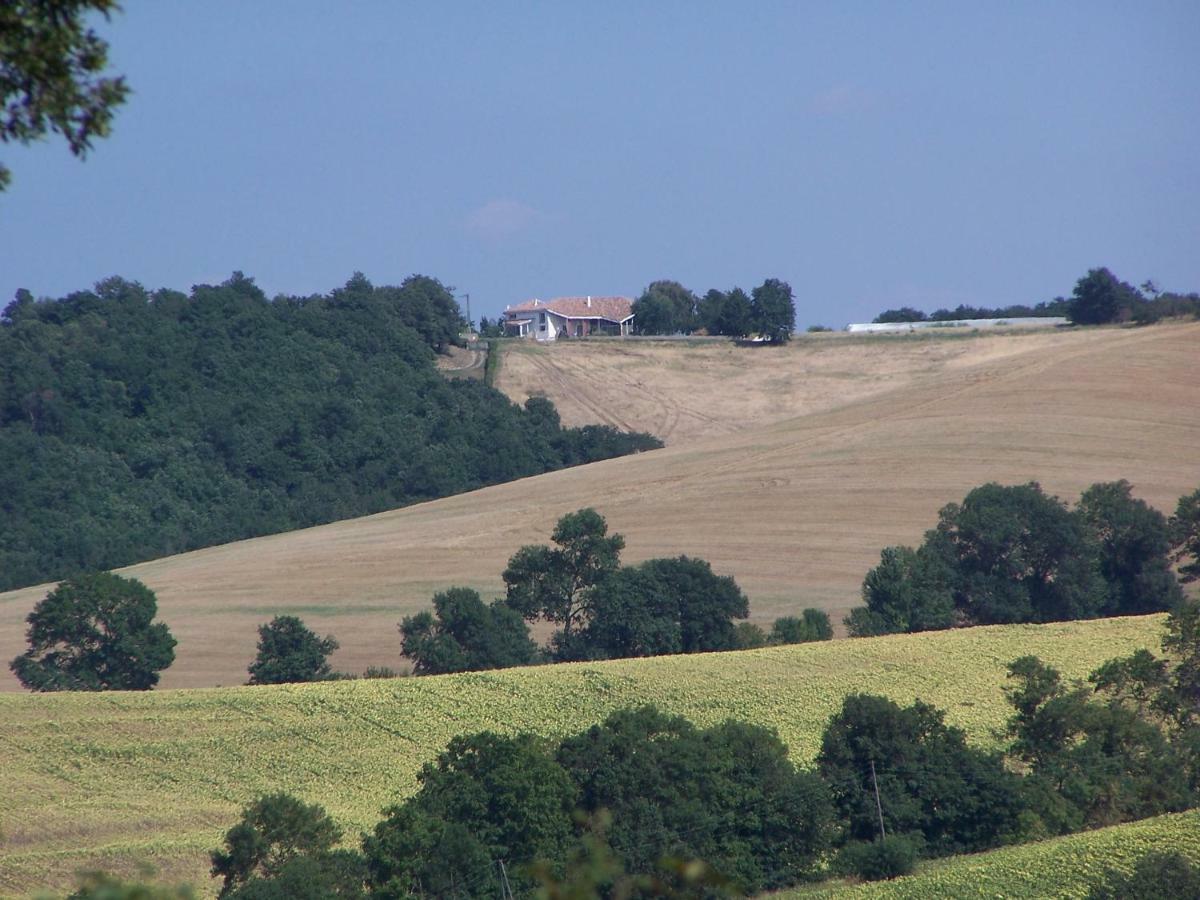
[110, 780]
[791, 488]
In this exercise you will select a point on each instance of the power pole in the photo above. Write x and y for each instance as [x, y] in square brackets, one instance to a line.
[506, 891]
[470, 324]
[878, 804]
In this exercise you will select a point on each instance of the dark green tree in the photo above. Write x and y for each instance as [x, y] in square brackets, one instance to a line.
[811, 625]
[50, 74]
[954, 797]
[1157, 875]
[773, 310]
[1185, 536]
[334, 875]
[486, 798]
[95, 633]
[750, 636]
[1093, 762]
[463, 634]
[1019, 555]
[727, 795]
[737, 314]
[903, 314]
[289, 652]
[1135, 545]
[665, 307]
[1099, 297]
[274, 830]
[710, 310]
[138, 424]
[910, 590]
[662, 606]
[558, 584]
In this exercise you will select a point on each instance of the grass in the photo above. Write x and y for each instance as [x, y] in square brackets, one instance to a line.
[1065, 867]
[114, 779]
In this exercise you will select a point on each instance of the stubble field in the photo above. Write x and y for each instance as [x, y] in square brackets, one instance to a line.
[820, 454]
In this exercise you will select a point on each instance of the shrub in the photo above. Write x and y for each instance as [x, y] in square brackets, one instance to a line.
[891, 857]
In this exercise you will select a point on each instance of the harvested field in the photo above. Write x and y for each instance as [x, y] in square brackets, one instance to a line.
[796, 507]
[112, 779]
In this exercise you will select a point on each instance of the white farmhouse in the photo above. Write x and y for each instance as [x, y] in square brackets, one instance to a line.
[548, 320]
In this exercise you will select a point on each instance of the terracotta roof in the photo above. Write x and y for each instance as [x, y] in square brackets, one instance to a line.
[614, 309]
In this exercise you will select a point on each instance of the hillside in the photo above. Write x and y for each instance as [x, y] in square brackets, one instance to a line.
[1065, 867]
[796, 509]
[684, 390]
[111, 779]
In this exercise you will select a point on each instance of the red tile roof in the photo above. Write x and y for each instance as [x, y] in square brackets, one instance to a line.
[614, 309]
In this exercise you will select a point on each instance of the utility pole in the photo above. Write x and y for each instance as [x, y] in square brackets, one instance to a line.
[506, 891]
[878, 804]
[470, 324]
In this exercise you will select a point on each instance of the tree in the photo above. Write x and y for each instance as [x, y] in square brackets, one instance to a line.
[1099, 297]
[908, 591]
[466, 635]
[736, 318]
[486, 798]
[956, 798]
[709, 311]
[1185, 536]
[1135, 544]
[1019, 555]
[1092, 762]
[903, 314]
[275, 830]
[810, 625]
[49, 74]
[773, 310]
[727, 795]
[1155, 876]
[662, 606]
[288, 652]
[665, 307]
[95, 633]
[558, 583]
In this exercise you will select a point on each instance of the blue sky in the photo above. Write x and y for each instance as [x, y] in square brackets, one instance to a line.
[871, 154]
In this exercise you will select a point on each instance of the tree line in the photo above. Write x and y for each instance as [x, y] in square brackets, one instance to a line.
[646, 804]
[1099, 298]
[137, 424]
[97, 631]
[1005, 555]
[1011, 554]
[667, 307]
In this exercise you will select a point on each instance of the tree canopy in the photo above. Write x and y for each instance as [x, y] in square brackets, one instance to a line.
[288, 651]
[51, 79]
[463, 634]
[1100, 297]
[95, 633]
[559, 583]
[665, 307]
[1014, 554]
[138, 424]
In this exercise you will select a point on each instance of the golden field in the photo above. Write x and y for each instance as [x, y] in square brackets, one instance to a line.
[791, 488]
[110, 780]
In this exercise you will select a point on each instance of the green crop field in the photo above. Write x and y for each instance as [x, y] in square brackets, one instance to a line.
[110, 780]
[1063, 867]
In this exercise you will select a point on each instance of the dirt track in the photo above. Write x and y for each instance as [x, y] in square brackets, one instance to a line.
[796, 506]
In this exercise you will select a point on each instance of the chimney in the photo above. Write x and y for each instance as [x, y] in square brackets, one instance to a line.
[589, 301]
[535, 301]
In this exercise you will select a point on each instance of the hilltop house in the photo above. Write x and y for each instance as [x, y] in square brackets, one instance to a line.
[547, 320]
